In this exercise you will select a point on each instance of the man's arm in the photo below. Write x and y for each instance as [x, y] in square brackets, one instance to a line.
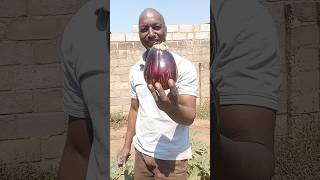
[76, 152]
[132, 117]
[180, 108]
[245, 145]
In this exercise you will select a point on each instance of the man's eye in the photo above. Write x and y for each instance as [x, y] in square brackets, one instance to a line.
[144, 28]
[156, 27]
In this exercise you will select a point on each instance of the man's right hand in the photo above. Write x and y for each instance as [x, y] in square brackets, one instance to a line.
[123, 156]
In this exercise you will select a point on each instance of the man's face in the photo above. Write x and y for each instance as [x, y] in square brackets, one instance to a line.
[152, 29]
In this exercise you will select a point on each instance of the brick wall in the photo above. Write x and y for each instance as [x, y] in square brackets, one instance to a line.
[297, 125]
[189, 41]
[32, 123]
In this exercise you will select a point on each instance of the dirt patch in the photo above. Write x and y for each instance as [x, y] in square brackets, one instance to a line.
[200, 126]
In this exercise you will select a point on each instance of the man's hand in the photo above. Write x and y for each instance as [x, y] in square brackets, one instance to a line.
[123, 156]
[165, 102]
[180, 108]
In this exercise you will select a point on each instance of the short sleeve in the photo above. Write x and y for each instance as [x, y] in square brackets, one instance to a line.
[187, 83]
[73, 101]
[132, 90]
[246, 68]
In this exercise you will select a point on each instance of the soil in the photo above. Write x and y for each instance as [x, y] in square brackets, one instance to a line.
[200, 126]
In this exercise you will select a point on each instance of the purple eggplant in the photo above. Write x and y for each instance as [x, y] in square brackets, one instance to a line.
[160, 66]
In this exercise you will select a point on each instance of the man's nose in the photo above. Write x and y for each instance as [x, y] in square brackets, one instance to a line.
[151, 33]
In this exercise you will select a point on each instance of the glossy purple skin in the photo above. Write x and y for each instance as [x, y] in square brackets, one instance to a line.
[160, 67]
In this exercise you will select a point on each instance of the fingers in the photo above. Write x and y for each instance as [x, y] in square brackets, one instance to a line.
[162, 95]
[153, 92]
[172, 87]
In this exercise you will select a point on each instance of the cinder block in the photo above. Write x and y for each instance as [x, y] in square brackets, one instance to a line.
[113, 46]
[114, 109]
[190, 36]
[172, 28]
[52, 7]
[205, 27]
[114, 78]
[6, 75]
[121, 85]
[304, 36]
[304, 102]
[185, 28]
[125, 45]
[49, 100]
[281, 128]
[12, 53]
[185, 44]
[119, 101]
[15, 102]
[138, 46]
[306, 59]
[52, 147]
[303, 124]
[179, 36]
[202, 35]
[117, 37]
[125, 77]
[121, 70]
[31, 28]
[13, 8]
[40, 76]
[132, 37]
[3, 28]
[24, 150]
[169, 36]
[40, 124]
[304, 82]
[8, 126]
[46, 52]
[305, 11]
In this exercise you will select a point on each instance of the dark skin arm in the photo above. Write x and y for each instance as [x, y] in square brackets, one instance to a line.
[131, 131]
[245, 144]
[74, 161]
[180, 108]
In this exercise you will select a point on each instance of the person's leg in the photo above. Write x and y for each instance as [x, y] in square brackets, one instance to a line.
[141, 169]
[171, 170]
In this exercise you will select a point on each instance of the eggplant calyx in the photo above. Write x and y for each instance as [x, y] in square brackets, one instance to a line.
[162, 46]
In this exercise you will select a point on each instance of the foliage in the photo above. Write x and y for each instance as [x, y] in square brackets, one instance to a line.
[199, 165]
[117, 119]
[121, 173]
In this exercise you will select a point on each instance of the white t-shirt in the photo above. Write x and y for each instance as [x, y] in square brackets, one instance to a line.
[157, 135]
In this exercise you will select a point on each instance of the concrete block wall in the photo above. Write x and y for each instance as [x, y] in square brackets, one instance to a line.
[33, 126]
[189, 41]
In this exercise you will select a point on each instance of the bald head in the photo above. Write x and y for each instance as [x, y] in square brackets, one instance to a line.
[152, 28]
[150, 12]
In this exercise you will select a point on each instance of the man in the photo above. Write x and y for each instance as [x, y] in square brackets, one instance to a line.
[246, 75]
[158, 121]
[86, 71]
